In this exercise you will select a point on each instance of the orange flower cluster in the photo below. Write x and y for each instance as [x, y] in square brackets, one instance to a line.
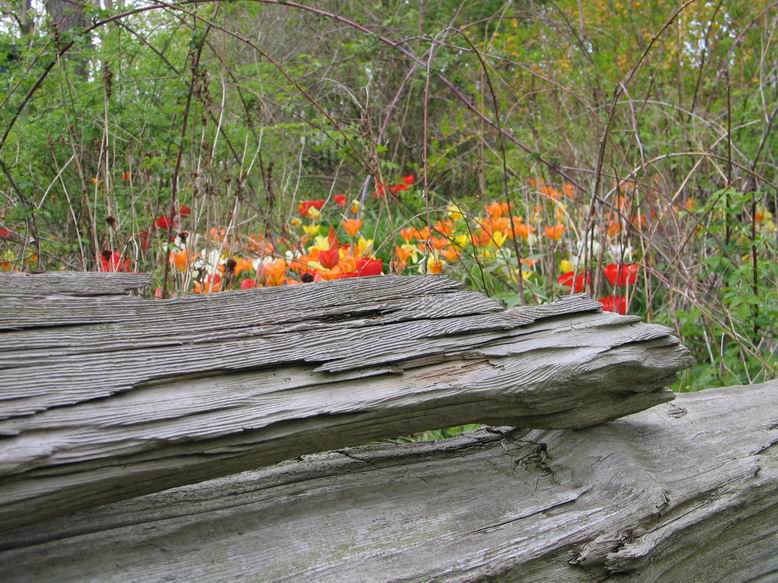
[497, 226]
[549, 191]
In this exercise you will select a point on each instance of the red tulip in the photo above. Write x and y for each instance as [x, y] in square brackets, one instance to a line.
[248, 284]
[409, 180]
[6, 233]
[367, 267]
[329, 258]
[307, 204]
[112, 261]
[616, 304]
[145, 240]
[163, 222]
[184, 211]
[621, 275]
[581, 280]
[340, 199]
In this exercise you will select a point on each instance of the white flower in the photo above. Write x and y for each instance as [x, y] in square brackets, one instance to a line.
[617, 251]
[209, 260]
[594, 248]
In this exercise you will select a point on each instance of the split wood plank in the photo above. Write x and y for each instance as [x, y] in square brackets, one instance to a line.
[71, 283]
[685, 491]
[110, 397]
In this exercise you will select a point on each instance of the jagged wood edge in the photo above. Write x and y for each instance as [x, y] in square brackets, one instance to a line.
[100, 420]
[682, 492]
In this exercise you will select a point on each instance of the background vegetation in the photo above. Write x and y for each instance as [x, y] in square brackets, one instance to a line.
[528, 148]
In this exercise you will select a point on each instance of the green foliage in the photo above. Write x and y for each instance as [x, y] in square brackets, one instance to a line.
[100, 135]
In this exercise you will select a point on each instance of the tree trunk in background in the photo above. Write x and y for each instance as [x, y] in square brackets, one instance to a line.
[24, 18]
[67, 14]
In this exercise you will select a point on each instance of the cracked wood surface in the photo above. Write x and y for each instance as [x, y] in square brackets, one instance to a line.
[72, 283]
[683, 492]
[109, 397]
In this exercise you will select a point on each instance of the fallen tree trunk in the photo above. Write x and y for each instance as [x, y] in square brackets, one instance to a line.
[686, 491]
[110, 397]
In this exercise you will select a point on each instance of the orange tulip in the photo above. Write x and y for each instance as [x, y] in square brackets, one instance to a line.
[450, 254]
[402, 254]
[555, 232]
[352, 226]
[501, 224]
[180, 260]
[438, 242]
[550, 192]
[614, 228]
[408, 234]
[212, 284]
[274, 273]
[481, 238]
[434, 265]
[423, 234]
[522, 230]
[445, 227]
[242, 265]
[496, 209]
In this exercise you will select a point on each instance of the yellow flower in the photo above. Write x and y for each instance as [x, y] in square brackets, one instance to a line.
[408, 251]
[499, 238]
[364, 247]
[565, 266]
[461, 241]
[525, 275]
[435, 265]
[295, 222]
[322, 243]
[314, 213]
[355, 206]
[454, 211]
[311, 230]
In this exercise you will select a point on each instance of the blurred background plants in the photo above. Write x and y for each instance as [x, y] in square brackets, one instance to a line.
[528, 148]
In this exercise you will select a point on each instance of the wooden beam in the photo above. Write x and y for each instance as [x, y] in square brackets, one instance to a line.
[71, 283]
[686, 491]
[110, 397]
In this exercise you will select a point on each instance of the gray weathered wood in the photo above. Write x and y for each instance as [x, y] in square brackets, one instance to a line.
[71, 283]
[106, 398]
[683, 492]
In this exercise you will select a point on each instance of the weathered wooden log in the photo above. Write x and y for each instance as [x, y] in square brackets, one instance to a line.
[71, 283]
[684, 492]
[106, 398]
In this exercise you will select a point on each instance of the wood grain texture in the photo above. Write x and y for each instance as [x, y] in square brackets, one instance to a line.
[71, 283]
[106, 398]
[683, 492]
